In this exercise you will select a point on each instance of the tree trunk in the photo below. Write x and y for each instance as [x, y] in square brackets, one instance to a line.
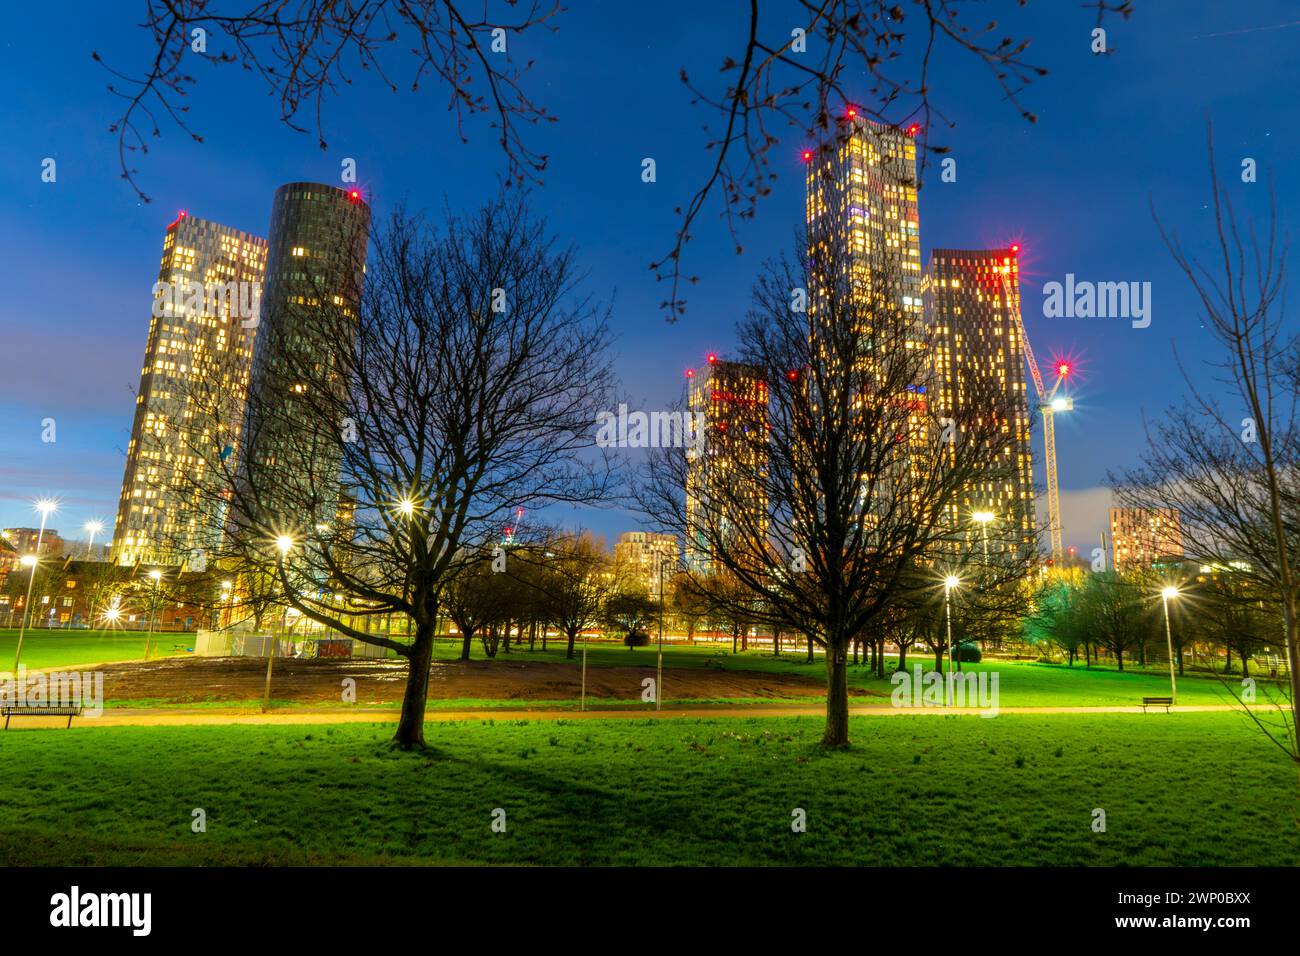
[837, 695]
[573, 636]
[734, 638]
[902, 656]
[506, 643]
[1180, 662]
[410, 727]
[810, 649]
[776, 642]
[856, 642]
[1119, 657]
[1245, 665]
[532, 636]
[467, 639]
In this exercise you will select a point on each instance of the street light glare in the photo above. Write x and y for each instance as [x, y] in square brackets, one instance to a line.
[1170, 592]
[951, 581]
[28, 560]
[284, 543]
[94, 527]
[983, 517]
[407, 506]
[156, 575]
[46, 506]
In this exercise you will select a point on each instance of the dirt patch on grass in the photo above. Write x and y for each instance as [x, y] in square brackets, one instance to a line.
[198, 679]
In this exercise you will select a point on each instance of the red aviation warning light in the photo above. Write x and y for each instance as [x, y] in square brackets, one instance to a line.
[914, 129]
[712, 359]
[1015, 248]
[354, 195]
[690, 373]
[807, 155]
[852, 111]
[1063, 369]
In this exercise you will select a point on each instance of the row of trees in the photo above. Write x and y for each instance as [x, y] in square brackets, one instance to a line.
[1122, 615]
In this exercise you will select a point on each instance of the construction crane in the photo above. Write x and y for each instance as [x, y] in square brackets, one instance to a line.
[1049, 403]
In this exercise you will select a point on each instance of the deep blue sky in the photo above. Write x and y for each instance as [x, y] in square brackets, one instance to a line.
[81, 255]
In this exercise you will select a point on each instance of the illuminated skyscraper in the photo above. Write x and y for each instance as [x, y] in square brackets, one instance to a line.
[732, 398]
[1143, 536]
[643, 554]
[979, 363]
[861, 202]
[192, 389]
[315, 268]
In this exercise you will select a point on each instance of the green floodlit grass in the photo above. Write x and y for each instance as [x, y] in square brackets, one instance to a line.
[1191, 789]
[1020, 683]
[66, 648]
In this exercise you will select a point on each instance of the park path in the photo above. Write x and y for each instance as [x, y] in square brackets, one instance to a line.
[209, 716]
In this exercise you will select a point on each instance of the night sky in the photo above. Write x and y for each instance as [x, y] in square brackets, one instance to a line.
[1114, 134]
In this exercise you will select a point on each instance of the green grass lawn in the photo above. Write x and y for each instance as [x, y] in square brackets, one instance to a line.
[59, 648]
[1020, 683]
[1192, 789]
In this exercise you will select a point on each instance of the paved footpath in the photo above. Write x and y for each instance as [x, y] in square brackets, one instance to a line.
[167, 717]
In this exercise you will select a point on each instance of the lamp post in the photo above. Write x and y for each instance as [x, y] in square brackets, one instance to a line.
[46, 507]
[228, 592]
[950, 582]
[92, 528]
[982, 518]
[153, 610]
[659, 677]
[1165, 595]
[285, 544]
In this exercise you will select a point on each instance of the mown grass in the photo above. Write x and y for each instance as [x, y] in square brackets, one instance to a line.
[1190, 789]
[57, 648]
[1020, 683]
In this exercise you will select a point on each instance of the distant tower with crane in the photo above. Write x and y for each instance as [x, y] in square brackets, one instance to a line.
[976, 343]
[1049, 403]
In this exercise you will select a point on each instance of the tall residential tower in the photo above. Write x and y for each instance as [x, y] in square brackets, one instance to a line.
[979, 361]
[192, 388]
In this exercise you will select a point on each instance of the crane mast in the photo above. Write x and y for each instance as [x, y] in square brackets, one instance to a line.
[1048, 404]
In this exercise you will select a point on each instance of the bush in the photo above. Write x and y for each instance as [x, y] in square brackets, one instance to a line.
[968, 653]
[636, 639]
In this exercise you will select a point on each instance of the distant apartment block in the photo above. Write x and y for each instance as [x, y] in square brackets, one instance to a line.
[1143, 536]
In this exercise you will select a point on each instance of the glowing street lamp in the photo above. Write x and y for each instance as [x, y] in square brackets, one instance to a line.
[113, 612]
[46, 507]
[982, 518]
[1165, 595]
[949, 583]
[92, 528]
[228, 592]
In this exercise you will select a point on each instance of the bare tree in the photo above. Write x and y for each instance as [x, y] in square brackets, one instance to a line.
[1229, 462]
[830, 505]
[304, 50]
[577, 579]
[387, 445]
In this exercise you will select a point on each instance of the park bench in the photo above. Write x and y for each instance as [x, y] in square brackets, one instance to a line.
[40, 710]
[1165, 702]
